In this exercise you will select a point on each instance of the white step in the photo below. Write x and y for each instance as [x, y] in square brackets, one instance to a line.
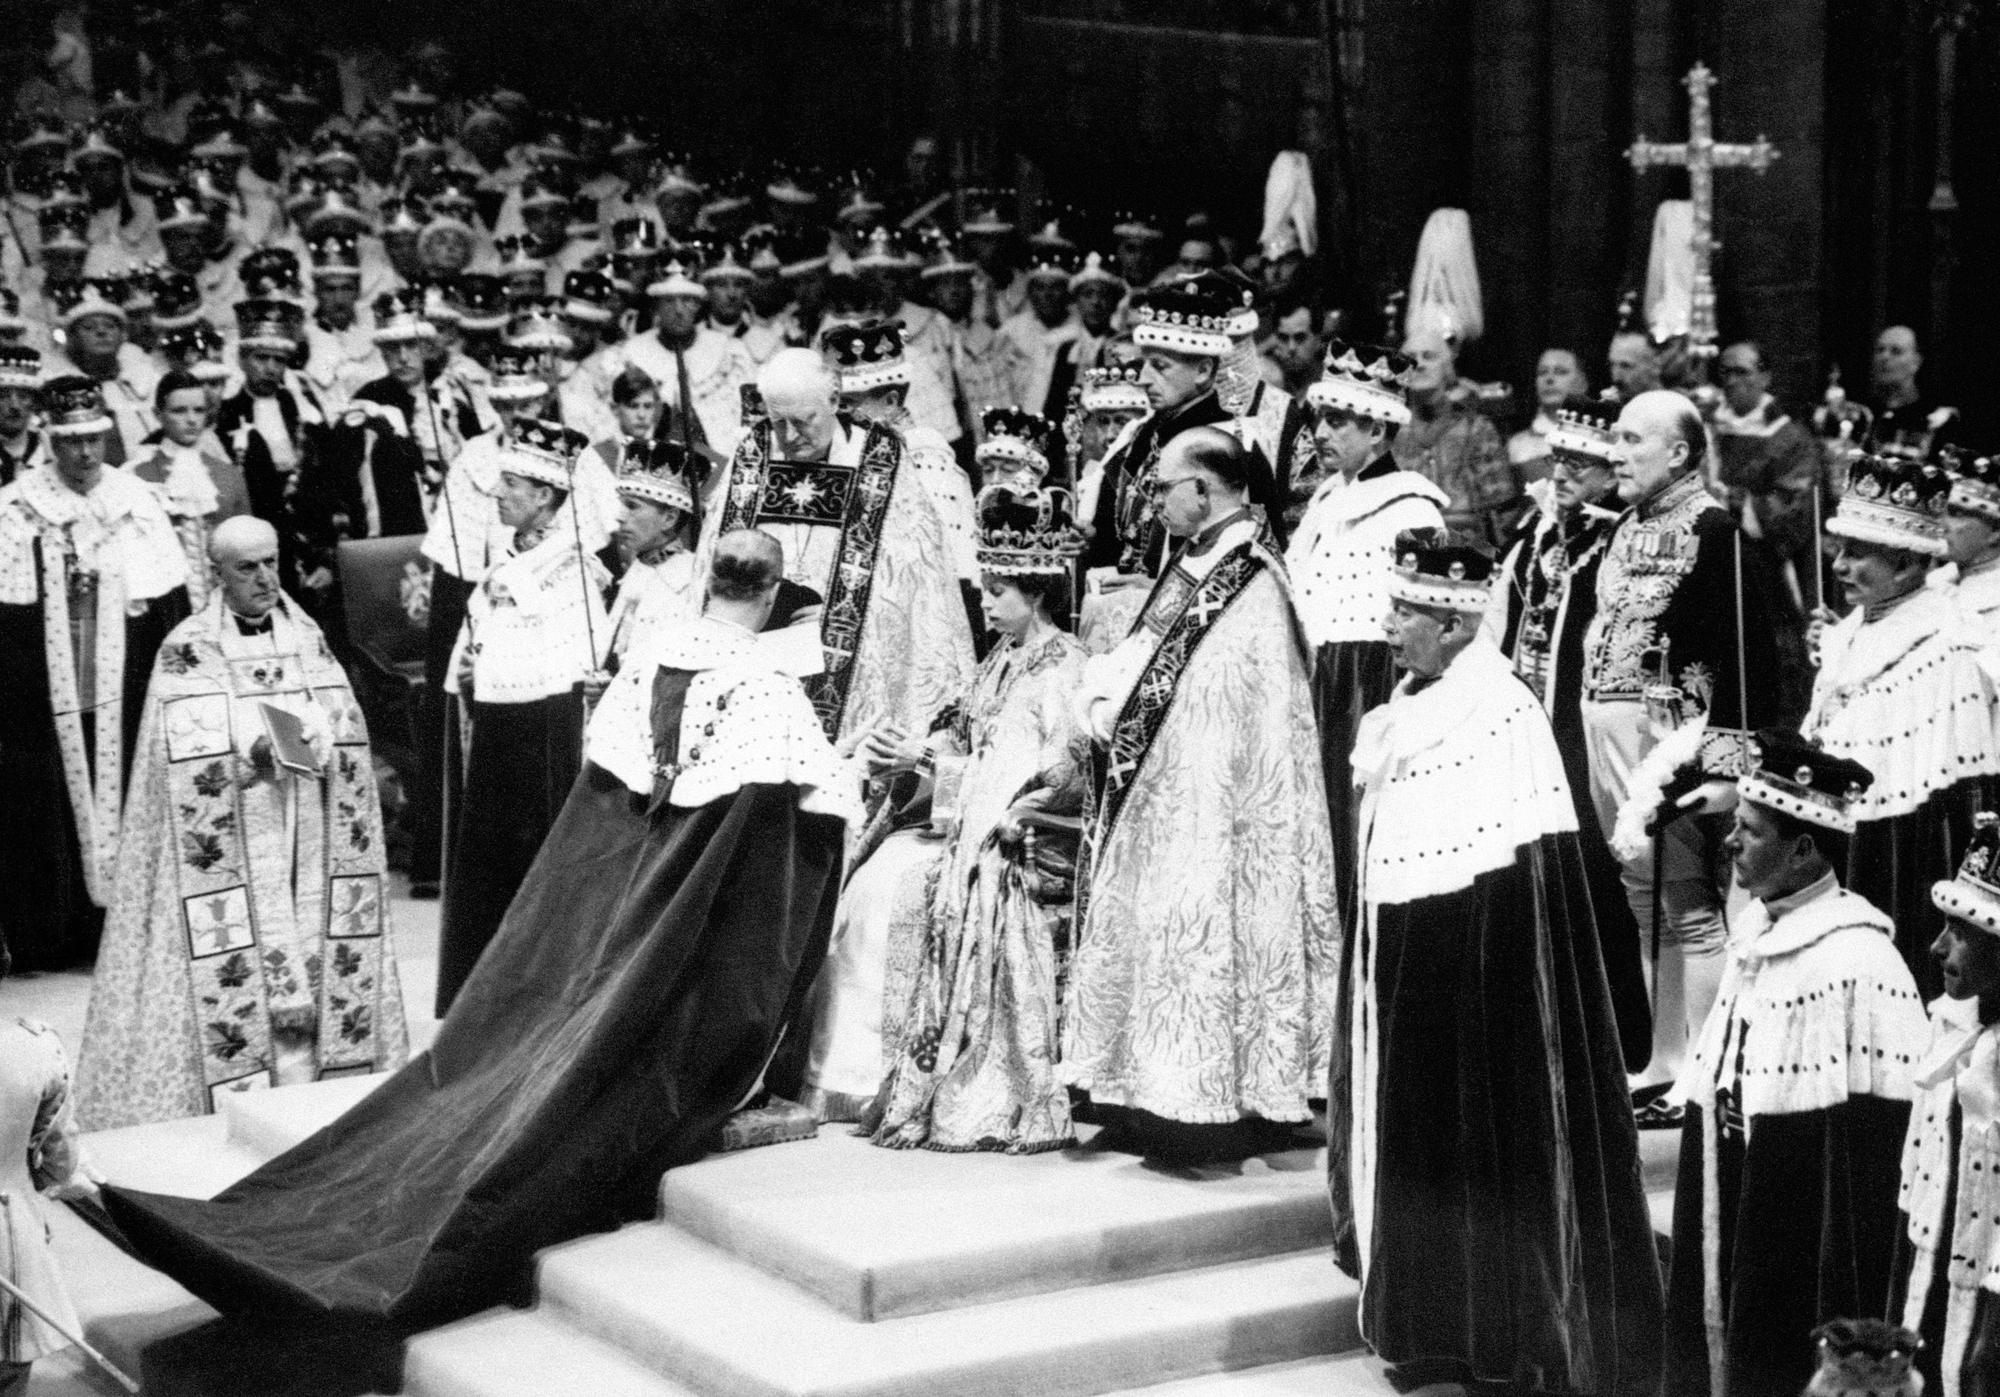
[192, 1158]
[880, 1233]
[726, 1328]
[124, 1304]
[504, 1353]
[268, 1123]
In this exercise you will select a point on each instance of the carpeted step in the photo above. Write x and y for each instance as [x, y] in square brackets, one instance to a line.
[268, 1123]
[504, 1353]
[880, 1233]
[723, 1326]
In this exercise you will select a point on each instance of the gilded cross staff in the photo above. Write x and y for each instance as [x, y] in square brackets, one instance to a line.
[1702, 155]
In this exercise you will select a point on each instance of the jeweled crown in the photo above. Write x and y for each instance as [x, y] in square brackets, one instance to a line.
[1023, 531]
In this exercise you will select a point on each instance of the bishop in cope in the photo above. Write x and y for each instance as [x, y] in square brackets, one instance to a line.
[859, 529]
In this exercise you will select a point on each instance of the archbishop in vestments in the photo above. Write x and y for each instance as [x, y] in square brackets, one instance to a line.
[1483, 1159]
[1200, 992]
[858, 527]
[247, 944]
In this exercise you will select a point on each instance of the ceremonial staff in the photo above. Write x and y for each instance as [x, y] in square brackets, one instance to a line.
[21, 1299]
[444, 491]
[582, 560]
[1072, 429]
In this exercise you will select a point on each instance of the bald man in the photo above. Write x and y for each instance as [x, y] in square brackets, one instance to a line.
[1664, 651]
[247, 942]
[858, 528]
[1905, 416]
[1198, 1014]
[1634, 363]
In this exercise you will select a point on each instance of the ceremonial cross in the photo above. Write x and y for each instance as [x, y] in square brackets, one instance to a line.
[1703, 155]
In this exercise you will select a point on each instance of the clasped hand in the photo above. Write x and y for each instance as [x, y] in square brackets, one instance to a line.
[886, 752]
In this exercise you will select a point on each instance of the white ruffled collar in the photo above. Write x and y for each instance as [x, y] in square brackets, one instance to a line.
[1800, 920]
[1857, 650]
[1341, 500]
[115, 496]
[1414, 722]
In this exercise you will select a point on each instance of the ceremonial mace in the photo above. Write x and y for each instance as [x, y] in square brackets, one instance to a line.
[450, 513]
[471, 629]
[1072, 427]
[20, 1298]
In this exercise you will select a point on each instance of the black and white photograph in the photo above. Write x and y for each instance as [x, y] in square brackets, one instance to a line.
[1063, 698]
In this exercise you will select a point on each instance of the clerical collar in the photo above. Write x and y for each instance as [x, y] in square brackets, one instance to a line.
[1780, 907]
[1205, 540]
[246, 626]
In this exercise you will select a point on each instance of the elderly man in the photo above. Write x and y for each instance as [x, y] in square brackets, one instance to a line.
[860, 531]
[265, 961]
[1450, 444]
[534, 638]
[1905, 417]
[1678, 643]
[93, 578]
[1502, 1239]
[1634, 362]
[1559, 379]
[700, 370]
[1208, 933]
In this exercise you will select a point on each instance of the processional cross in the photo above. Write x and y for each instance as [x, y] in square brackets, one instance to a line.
[1702, 155]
